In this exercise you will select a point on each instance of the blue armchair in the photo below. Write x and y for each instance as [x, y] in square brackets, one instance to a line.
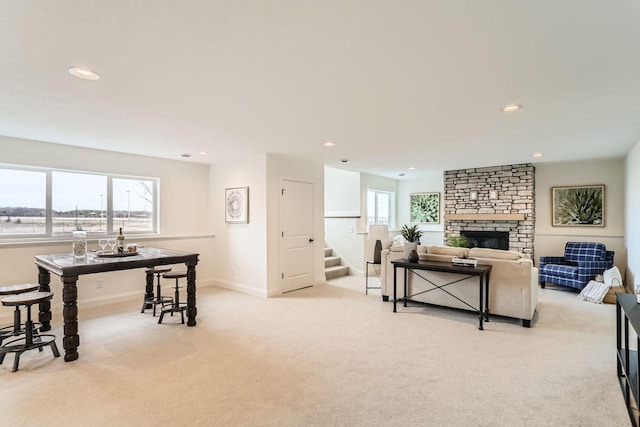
[580, 264]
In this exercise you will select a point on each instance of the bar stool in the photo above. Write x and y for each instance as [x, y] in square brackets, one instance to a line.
[175, 305]
[31, 340]
[17, 328]
[158, 299]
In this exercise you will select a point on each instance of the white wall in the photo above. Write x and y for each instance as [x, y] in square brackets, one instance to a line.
[632, 212]
[342, 193]
[285, 167]
[550, 240]
[240, 250]
[433, 182]
[184, 224]
[247, 256]
[342, 211]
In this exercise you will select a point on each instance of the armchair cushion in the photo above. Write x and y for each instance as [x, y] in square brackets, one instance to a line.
[584, 251]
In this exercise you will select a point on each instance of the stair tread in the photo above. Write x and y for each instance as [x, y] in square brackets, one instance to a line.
[337, 267]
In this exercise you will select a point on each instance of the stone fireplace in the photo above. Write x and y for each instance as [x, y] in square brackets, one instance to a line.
[496, 199]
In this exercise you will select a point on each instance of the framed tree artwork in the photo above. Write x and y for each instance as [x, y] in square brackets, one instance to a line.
[236, 206]
[578, 206]
[424, 208]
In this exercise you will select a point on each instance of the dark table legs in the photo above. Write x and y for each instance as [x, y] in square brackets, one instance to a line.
[71, 339]
[483, 300]
[148, 291]
[192, 310]
[44, 315]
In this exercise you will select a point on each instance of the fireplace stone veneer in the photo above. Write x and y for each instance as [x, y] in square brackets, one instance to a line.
[515, 189]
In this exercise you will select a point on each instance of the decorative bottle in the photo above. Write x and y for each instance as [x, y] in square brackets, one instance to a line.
[120, 242]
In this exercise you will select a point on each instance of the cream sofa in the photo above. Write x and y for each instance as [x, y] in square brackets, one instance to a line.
[513, 284]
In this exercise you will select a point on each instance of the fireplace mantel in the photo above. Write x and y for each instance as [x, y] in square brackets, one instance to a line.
[485, 217]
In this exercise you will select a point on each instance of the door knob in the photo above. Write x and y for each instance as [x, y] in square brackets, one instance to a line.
[310, 240]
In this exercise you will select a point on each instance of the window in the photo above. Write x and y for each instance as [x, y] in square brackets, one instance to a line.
[50, 203]
[76, 203]
[133, 205]
[378, 207]
[23, 202]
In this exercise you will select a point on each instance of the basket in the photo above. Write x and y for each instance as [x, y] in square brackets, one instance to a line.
[610, 297]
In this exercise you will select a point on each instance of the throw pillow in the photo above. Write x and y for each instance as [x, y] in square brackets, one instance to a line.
[612, 277]
[398, 241]
[593, 292]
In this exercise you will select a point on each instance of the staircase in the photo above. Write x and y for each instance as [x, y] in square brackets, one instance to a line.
[333, 265]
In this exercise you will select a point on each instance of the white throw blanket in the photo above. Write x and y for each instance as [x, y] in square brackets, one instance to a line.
[594, 292]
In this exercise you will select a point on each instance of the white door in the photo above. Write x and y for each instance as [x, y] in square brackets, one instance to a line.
[296, 232]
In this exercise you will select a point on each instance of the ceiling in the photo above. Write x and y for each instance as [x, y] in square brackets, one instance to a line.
[394, 84]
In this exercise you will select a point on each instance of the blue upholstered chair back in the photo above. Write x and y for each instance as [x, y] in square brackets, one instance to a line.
[575, 252]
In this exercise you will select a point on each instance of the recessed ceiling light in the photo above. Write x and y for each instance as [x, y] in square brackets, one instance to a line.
[83, 73]
[203, 153]
[537, 155]
[511, 108]
[329, 144]
[185, 155]
[412, 168]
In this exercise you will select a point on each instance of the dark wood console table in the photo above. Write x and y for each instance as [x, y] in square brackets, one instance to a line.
[68, 269]
[628, 309]
[481, 271]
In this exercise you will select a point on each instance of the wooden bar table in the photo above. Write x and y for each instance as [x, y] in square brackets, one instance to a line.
[68, 269]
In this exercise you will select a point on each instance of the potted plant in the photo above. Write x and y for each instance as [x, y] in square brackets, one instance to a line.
[411, 233]
[458, 241]
[412, 236]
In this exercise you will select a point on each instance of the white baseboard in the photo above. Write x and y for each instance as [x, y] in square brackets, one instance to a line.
[240, 288]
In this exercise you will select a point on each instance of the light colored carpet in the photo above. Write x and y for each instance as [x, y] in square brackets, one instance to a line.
[324, 356]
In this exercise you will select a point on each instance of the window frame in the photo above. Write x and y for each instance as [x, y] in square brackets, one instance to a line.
[110, 220]
[391, 196]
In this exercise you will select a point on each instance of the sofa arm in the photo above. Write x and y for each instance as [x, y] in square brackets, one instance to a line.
[587, 270]
[551, 260]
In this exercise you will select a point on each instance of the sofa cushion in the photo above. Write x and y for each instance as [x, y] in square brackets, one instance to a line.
[448, 250]
[559, 270]
[495, 254]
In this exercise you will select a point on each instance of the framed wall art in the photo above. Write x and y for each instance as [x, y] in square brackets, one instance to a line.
[578, 206]
[424, 208]
[236, 205]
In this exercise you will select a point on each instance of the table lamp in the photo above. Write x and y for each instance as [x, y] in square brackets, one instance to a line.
[378, 232]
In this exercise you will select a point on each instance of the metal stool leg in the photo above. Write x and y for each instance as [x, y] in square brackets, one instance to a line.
[158, 297]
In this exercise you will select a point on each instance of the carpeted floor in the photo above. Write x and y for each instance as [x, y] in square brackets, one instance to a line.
[324, 356]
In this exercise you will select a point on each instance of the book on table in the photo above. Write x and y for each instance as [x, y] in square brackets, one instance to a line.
[464, 262]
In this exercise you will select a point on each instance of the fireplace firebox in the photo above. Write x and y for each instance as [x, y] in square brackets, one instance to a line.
[487, 239]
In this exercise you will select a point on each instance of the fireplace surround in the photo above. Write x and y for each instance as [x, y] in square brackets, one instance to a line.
[512, 212]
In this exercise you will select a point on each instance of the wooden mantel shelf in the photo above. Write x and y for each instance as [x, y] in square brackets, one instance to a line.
[486, 217]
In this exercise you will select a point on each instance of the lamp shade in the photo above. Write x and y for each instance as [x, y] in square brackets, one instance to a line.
[378, 232]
